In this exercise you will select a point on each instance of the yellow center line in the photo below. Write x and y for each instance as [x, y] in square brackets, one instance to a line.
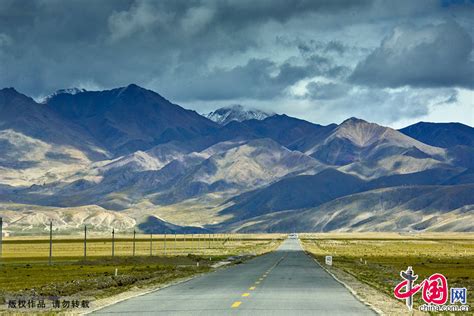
[236, 304]
[245, 294]
[252, 288]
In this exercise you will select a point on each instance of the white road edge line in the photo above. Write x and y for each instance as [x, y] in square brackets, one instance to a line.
[351, 290]
[176, 282]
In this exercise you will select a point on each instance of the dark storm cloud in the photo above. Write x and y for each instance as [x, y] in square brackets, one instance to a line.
[311, 46]
[49, 44]
[250, 11]
[430, 56]
[322, 91]
[385, 106]
[335, 46]
[258, 78]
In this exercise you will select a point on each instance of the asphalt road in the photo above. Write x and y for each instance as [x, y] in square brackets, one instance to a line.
[284, 282]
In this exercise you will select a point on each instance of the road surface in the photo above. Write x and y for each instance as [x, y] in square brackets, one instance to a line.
[284, 282]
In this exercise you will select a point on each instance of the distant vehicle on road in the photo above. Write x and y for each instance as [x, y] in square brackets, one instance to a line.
[293, 236]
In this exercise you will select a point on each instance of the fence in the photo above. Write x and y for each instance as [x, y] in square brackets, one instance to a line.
[122, 244]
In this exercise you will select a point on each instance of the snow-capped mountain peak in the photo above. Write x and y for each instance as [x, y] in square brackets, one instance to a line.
[71, 91]
[238, 113]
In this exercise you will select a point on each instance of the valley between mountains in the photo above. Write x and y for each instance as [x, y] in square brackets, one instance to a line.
[130, 159]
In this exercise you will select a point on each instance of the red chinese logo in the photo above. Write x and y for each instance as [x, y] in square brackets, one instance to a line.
[435, 288]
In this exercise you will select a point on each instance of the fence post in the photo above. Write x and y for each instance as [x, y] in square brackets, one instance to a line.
[134, 233]
[113, 242]
[85, 242]
[151, 244]
[50, 242]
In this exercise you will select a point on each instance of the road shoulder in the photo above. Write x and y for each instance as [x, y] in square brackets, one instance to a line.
[376, 300]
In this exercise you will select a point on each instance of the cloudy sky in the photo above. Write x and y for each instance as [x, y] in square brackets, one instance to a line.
[391, 62]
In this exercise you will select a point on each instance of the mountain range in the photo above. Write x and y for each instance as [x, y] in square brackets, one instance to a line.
[128, 158]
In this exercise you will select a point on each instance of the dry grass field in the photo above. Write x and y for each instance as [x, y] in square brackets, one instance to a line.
[70, 248]
[377, 259]
[25, 272]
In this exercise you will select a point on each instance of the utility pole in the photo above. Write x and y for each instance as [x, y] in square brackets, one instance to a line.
[113, 242]
[1, 237]
[85, 242]
[184, 242]
[134, 233]
[164, 245]
[175, 244]
[50, 242]
[198, 245]
[151, 244]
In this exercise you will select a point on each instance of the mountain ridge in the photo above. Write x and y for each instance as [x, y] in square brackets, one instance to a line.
[443, 135]
[131, 150]
[130, 118]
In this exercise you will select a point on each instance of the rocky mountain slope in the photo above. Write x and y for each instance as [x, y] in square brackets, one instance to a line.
[37, 139]
[294, 193]
[128, 119]
[402, 209]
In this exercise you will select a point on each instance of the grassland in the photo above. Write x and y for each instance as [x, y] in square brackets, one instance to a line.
[25, 272]
[377, 259]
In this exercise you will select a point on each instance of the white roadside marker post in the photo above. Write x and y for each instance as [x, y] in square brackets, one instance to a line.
[329, 260]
